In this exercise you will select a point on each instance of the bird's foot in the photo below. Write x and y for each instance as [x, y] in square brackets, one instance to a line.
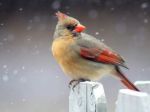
[74, 83]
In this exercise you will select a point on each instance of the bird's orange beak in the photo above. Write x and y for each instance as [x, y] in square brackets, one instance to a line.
[79, 28]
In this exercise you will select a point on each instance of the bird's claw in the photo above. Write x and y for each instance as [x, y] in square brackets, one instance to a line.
[71, 83]
[74, 83]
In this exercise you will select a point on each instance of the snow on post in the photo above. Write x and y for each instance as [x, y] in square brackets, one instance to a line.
[144, 86]
[87, 97]
[132, 101]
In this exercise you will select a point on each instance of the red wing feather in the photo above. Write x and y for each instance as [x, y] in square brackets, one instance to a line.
[111, 54]
[103, 56]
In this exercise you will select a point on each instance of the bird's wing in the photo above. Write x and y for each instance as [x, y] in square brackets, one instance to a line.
[92, 49]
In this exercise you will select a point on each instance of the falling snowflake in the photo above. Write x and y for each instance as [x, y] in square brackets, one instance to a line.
[29, 38]
[37, 52]
[96, 33]
[5, 78]
[20, 9]
[41, 70]
[2, 24]
[144, 5]
[102, 40]
[23, 67]
[93, 14]
[4, 66]
[143, 69]
[145, 21]
[30, 21]
[57, 77]
[23, 80]
[67, 7]
[37, 19]
[56, 5]
[5, 39]
[15, 72]
[11, 103]
[29, 28]
[112, 9]
[102, 29]
[24, 99]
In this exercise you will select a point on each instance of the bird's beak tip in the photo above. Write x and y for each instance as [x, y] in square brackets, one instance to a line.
[79, 28]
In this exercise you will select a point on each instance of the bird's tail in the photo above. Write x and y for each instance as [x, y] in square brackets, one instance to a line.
[126, 81]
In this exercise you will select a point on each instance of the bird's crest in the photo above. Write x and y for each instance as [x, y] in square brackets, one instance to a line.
[60, 15]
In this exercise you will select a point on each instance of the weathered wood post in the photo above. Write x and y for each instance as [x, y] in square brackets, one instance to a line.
[132, 101]
[87, 97]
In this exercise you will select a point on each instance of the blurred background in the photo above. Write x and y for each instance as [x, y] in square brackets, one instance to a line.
[30, 78]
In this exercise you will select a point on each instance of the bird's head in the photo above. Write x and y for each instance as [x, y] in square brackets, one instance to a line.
[68, 24]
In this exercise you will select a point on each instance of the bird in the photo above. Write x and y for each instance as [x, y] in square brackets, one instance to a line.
[83, 57]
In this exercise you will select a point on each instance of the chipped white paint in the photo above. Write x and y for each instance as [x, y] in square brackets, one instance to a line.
[87, 97]
[144, 86]
[132, 101]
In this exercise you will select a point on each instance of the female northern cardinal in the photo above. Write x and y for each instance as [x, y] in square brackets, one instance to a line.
[82, 56]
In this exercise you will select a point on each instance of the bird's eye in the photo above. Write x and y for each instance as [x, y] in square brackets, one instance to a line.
[71, 27]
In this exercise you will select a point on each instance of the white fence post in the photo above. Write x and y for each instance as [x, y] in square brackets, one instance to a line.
[144, 86]
[87, 97]
[132, 101]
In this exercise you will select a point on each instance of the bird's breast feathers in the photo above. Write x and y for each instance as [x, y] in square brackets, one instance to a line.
[60, 48]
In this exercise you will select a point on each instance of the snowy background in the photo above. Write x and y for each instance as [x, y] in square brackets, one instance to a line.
[30, 78]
